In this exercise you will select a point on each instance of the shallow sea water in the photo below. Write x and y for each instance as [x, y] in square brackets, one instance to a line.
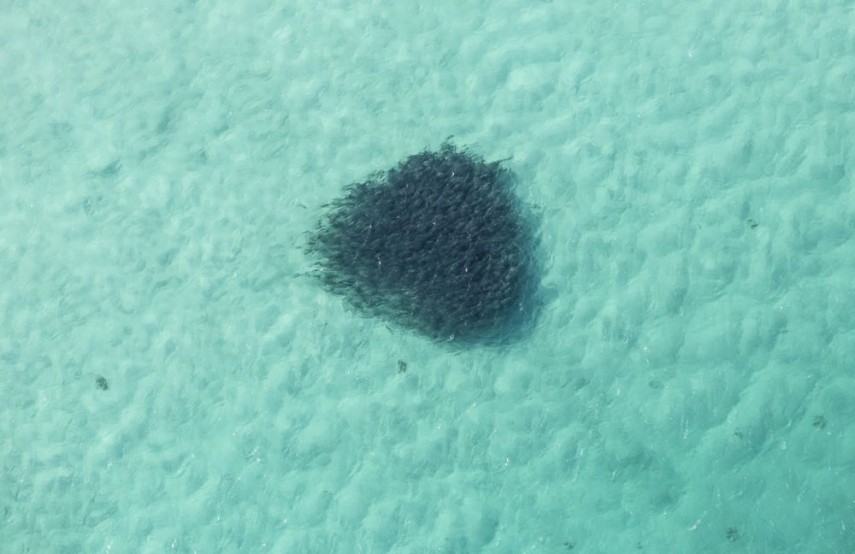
[172, 382]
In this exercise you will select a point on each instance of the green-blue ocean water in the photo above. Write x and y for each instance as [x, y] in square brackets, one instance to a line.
[172, 382]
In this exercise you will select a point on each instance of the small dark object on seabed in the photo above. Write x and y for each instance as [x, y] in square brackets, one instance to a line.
[102, 383]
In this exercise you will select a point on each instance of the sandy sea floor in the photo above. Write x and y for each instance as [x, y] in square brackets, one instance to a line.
[172, 382]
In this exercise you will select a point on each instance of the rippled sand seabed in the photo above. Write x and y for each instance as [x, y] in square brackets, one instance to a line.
[689, 387]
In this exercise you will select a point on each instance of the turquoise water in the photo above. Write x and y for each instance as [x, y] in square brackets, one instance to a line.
[690, 386]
